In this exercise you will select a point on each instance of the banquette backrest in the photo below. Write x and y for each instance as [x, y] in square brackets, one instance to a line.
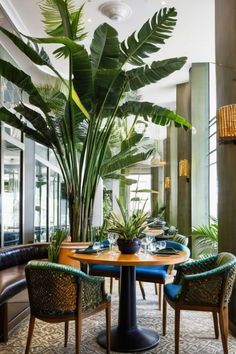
[22, 254]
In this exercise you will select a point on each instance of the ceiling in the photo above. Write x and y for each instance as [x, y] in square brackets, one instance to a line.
[193, 36]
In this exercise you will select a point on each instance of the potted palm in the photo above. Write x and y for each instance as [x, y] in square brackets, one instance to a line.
[77, 118]
[128, 227]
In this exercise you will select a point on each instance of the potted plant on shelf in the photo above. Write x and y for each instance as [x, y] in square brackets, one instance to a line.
[128, 227]
[76, 119]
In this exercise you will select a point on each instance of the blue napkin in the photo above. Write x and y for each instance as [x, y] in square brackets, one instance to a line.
[105, 244]
[88, 250]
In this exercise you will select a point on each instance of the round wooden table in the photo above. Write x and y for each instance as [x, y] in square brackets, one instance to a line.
[127, 336]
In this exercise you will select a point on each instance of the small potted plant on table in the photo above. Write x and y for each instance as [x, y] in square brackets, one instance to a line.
[128, 227]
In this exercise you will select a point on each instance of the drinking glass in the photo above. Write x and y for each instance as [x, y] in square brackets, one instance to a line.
[112, 239]
[97, 247]
[160, 245]
[145, 242]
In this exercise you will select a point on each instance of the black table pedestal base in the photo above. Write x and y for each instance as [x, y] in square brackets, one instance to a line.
[135, 340]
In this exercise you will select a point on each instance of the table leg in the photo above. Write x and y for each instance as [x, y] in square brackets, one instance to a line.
[127, 336]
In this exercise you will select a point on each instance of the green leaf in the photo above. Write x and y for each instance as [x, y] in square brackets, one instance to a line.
[120, 161]
[26, 48]
[23, 81]
[11, 119]
[122, 178]
[33, 117]
[158, 70]
[153, 113]
[145, 190]
[62, 18]
[135, 199]
[134, 139]
[37, 55]
[104, 48]
[148, 40]
[80, 66]
[108, 87]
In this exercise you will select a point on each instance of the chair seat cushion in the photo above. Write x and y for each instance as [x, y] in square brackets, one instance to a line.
[172, 291]
[12, 281]
[147, 273]
[104, 270]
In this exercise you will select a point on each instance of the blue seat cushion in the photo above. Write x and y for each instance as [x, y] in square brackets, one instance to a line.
[141, 272]
[151, 272]
[104, 270]
[172, 291]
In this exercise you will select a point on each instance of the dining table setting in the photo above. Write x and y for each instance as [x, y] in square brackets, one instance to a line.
[127, 336]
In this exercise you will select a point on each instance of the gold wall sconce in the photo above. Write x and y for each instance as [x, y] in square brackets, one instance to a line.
[167, 182]
[226, 120]
[184, 169]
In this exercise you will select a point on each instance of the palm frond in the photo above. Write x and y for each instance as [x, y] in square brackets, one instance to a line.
[54, 97]
[104, 48]
[12, 120]
[35, 118]
[81, 68]
[61, 18]
[158, 70]
[108, 87]
[24, 82]
[121, 160]
[152, 112]
[131, 141]
[206, 238]
[38, 57]
[149, 38]
[122, 178]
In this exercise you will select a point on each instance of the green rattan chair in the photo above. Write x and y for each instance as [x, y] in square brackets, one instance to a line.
[59, 293]
[203, 285]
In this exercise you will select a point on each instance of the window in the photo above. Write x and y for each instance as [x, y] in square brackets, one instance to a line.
[53, 201]
[12, 194]
[138, 195]
[64, 207]
[41, 207]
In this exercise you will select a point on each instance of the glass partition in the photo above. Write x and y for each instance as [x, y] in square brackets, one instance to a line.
[41, 207]
[12, 188]
[53, 201]
[64, 209]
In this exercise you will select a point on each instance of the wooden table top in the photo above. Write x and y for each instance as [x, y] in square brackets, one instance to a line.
[139, 259]
[153, 232]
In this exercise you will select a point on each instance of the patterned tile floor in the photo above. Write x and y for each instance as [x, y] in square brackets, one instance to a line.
[197, 333]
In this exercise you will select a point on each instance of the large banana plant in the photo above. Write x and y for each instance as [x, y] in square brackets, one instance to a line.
[76, 121]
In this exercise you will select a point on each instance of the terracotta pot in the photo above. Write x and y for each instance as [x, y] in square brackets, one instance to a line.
[129, 246]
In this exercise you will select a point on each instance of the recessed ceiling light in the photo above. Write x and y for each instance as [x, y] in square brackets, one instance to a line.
[163, 2]
[89, 20]
[116, 10]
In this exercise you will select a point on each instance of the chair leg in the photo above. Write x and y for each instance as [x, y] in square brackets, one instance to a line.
[223, 319]
[156, 291]
[30, 333]
[216, 328]
[177, 328]
[4, 322]
[142, 290]
[78, 330]
[160, 296]
[164, 315]
[108, 327]
[111, 285]
[66, 333]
